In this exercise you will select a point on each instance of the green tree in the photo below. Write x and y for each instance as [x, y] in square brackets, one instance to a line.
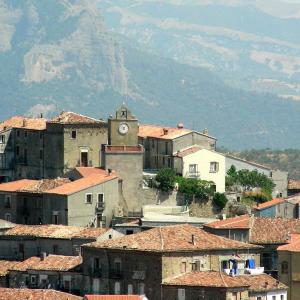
[220, 200]
[166, 179]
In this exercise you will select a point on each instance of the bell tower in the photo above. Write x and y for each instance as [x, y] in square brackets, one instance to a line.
[123, 128]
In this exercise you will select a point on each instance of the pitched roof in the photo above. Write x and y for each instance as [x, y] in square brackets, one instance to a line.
[207, 279]
[24, 123]
[14, 186]
[240, 222]
[159, 132]
[81, 184]
[55, 231]
[248, 162]
[32, 186]
[270, 203]
[6, 265]
[262, 282]
[114, 297]
[175, 238]
[34, 294]
[74, 118]
[293, 245]
[49, 263]
[188, 151]
[87, 171]
[262, 230]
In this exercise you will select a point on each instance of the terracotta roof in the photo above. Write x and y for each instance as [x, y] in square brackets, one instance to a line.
[6, 265]
[262, 282]
[87, 171]
[188, 151]
[262, 230]
[14, 186]
[23, 266]
[113, 297]
[293, 245]
[171, 239]
[55, 231]
[32, 186]
[74, 118]
[24, 123]
[33, 294]
[240, 222]
[294, 184]
[51, 263]
[159, 132]
[269, 203]
[81, 184]
[249, 162]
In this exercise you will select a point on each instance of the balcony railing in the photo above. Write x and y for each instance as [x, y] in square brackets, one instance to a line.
[192, 174]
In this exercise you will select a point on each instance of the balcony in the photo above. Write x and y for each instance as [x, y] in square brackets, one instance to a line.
[255, 271]
[193, 174]
[100, 207]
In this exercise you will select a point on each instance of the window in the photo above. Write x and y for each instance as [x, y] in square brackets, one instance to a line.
[55, 218]
[25, 133]
[181, 294]
[196, 265]
[96, 263]
[8, 217]
[166, 148]
[117, 288]
[183, 267]
[7, 201]
[41, 135]
[273, 297]
[89, 198]
[18, 133]
[214, 167]
[25, 156]
[41, 154]
[193, 169]
[18, 150]
[33, 279]
[100, 200]
[55, 249]
[73, 134]
[84, 158]
[281, 297]
[284, 267]
[141, 288]
[153, 144]
[2, 139]
[130, 289]
[169, 162]
[258, 298]
[117, 266]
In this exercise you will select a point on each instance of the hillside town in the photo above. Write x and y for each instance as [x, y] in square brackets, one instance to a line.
[97, 209]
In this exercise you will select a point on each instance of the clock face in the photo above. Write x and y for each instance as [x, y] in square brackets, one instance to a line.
[123, 128]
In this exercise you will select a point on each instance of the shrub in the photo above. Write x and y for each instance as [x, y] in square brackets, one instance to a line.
[165, 179]
[220, 200]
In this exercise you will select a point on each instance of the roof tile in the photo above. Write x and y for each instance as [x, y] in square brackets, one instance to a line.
[24, 123]
[74, 118]
[171, 239]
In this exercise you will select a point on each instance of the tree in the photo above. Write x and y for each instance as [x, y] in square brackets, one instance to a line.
[220, 200]
[166, 179]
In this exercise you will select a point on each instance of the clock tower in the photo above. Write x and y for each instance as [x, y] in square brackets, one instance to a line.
[124, 155]
[123, 129]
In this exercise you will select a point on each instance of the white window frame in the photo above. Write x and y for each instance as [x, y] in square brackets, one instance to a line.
[130, 289]
[141, 288]
[103, 199]
[214, 169]
[33, 279]
[86, 197]
[181, 294]
[71, 135]
[193, 168]
[117, 288]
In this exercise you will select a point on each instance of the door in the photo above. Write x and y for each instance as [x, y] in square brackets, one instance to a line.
[84, 159]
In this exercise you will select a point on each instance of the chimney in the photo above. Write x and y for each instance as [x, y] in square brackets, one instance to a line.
[43, 255]
[109, 171]
[165, 131]
[266, 284]
[205, 131]
[180, 126]
[193, 239]
[41, 115]
[24, 123]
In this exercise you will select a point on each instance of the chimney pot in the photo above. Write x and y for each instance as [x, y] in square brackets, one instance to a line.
[193, 239]
[43, 255]
[165, 131]
[180, 126]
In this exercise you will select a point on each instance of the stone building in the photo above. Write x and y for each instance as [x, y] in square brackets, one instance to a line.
[91, 199]
[218, 285]
[62, 273]
[21, 148]
[24, 241]
[289, 262]
[139, 263]
[161, 143]
[267, 232]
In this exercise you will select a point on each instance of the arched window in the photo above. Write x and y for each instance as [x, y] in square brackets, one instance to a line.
[284, 267]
